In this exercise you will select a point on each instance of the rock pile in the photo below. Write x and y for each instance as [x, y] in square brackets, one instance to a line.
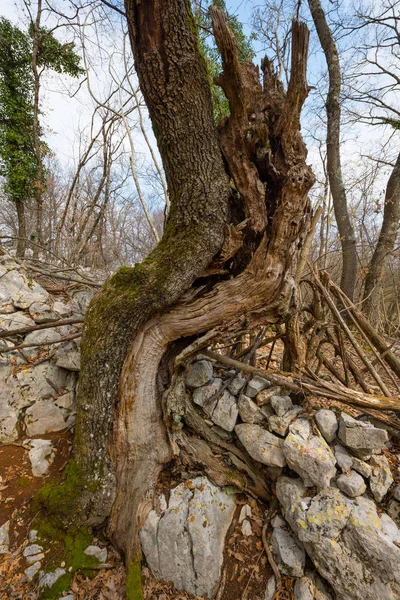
[36, 398]
[329, 509]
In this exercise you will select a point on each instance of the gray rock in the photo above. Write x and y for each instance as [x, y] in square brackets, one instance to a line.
[352, 484]
[32, 550]
[250, 412]
[394, 510]
[68, 357]
[41, 456]
[277, 521]
[99, 553]
[351, 545]
[304, 589]
[265, 396]
[361, 437]
[66, 401]
[245, 511]
[185, 544]
[43, 337]
[67, 597]
[381, 477]
[225, 412]
[5, 537]
[396, 492]
[19, 289]
[63, 310]
[311, 458]
[256, 385]
[14, 321]
[289, 553]
[44, 417]
[31, 571]
[42, 312]
[263, 446]
[270, 589]
[204, 395]
[35, 558]
[236, 386]
[33, 536]
[199, 373]
[246, 528]
[302, 428]
[281, 404]
[83, 298]
[49, 579]
[8, 421]
[362, 467]
[280, 425]
[327, 424]
[343, 458]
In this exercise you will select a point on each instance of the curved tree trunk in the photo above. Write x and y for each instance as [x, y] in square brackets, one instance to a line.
[228, 256]
[384, 247]
[334, 168]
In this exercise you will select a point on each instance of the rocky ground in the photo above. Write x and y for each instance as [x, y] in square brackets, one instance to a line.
[332, 531]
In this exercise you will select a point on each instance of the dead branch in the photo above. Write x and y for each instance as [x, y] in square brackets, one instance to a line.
[37, 327]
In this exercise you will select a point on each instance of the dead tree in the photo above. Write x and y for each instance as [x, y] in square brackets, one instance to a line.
[238, 216]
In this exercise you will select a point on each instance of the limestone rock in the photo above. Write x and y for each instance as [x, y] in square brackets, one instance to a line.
[250, 412]
[396, 492]
[236, 386]
[31, 571]
[5, 537]
[184, 545]
[280, 425]
[199, 373]
[270, 589]
[350, 544]
[43, 337]
[362, 467]
[304, 589]
[14, 321]
[246, 528]
[244, 512]
[343, 458]
[225, 412]
[361, 437]
[351, 484]
[8, 421]
[68, 357]
[311, 458]
[256, 385]
[49, 579]
[265, 396]
[327, 424]
[263, 446]
[204, 396]
[381, 478]
[62, 310]
[41, 456]
[32, 550]
[42, 312]
[281, 404]
[99, 553]
[19, 289]
[289, 553]
[44, 417]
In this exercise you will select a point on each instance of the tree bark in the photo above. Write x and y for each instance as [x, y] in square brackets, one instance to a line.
[385, 246]
[345, 226]
[228, 255]
[21, 241]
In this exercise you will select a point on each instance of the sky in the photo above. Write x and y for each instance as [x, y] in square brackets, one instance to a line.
[63, 116]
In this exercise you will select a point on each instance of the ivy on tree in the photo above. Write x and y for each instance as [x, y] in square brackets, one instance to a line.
[18, 162]
[211, 53]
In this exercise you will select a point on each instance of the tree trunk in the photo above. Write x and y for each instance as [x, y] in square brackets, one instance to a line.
[228, 255]
[345, 226]
[384, 247]
[21, 241]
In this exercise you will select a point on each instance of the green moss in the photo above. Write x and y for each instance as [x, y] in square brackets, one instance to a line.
[134, 580]
[67, 548]
[58, 498]
[23, 482]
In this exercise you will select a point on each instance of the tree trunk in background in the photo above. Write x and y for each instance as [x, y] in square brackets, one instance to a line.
[21, 241]
[345, 226]
[385, 246]
[228, 256]
[36, 134]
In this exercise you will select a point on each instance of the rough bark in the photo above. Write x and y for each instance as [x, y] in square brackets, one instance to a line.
[334, 168]
[385, 246]
[187, 288]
